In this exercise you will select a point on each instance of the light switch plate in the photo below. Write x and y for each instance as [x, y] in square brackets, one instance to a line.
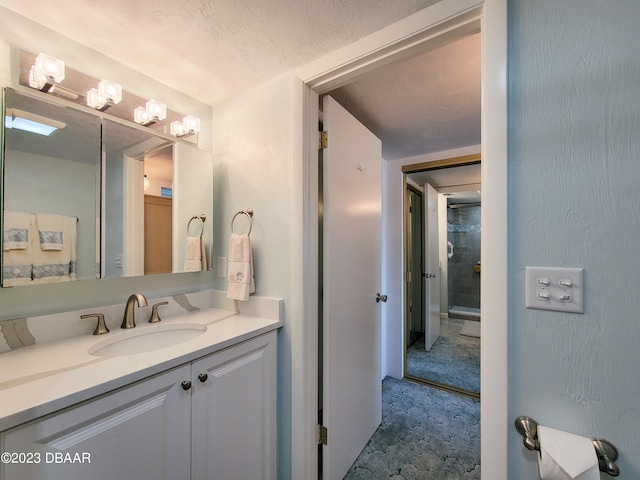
[555, 288]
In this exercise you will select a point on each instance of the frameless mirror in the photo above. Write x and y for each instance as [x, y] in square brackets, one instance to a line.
[97, 197]
[158, 192]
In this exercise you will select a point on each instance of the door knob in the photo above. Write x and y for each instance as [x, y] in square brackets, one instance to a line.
[186, 385]
[203, 377]
[381, 298]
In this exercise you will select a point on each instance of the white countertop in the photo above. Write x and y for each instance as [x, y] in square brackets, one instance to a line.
[40, 379]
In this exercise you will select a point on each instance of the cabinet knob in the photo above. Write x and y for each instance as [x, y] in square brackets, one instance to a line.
[186, 385]
[203, 377]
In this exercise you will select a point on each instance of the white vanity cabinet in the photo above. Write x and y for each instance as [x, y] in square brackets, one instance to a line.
[213, 418]
[140, 431]
[234, 413]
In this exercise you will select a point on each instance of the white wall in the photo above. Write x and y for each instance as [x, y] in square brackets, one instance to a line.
[393, 254]
[443, 234]
[253, 169]
[574, 200]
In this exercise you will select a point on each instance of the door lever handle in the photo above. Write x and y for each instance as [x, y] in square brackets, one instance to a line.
[381, 298]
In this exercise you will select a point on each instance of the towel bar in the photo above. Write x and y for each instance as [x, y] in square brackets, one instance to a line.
[607, 453]
[249, 213]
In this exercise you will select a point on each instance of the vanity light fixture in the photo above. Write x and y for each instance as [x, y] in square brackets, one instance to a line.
[153, 113]
[106, 95]
[46, 72]
[189, 125]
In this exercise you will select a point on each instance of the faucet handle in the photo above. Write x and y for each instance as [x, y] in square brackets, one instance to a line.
[155, 317]
[101, 327]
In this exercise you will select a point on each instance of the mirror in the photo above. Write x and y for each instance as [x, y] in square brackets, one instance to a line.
[93, 170]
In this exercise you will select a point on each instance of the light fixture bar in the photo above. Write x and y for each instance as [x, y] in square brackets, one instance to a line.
[105, 96]
[46, 72]
[190, 125]
[153, 113]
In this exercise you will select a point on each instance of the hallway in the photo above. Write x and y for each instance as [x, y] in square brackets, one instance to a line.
[426, 434]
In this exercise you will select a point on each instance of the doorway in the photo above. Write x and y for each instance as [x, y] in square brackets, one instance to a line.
[325, 75]
[447, 356]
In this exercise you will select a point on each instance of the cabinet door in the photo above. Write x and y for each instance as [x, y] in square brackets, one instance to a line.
[138, 432]
[234, 413]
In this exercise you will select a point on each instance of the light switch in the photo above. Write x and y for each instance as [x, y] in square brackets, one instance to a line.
[555, 288]
[545, 281]
[565, 282]
[543, 294]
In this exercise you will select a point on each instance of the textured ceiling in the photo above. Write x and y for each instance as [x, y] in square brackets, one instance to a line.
[215, 49]
[426, 104]
[461, 184]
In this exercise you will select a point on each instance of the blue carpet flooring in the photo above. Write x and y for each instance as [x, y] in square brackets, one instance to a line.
[454, 359]
[425, 434]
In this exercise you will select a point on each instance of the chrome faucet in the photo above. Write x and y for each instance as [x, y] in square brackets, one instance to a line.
[129, 320]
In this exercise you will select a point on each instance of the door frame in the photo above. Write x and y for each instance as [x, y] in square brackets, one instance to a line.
[427, 29]
[453, 162]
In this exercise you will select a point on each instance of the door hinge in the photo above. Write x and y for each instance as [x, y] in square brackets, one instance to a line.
[323, 139]
[323, 434]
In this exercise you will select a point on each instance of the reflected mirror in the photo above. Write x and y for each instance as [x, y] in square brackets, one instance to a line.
[98, 197]
[51, 179]
[442, 234]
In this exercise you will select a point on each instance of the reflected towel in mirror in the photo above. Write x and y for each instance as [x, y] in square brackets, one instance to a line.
[52, 266]
[50, 230]
[16, 231]
[195, 259]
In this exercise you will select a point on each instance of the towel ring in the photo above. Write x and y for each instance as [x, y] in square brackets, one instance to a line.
[202, 218]
[249, 213]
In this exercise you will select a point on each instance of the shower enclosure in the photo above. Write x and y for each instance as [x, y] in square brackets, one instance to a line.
[463, 234]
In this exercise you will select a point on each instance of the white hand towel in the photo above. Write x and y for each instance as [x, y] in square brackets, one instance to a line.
[240, 268]
[16, 231]
[193, 254]
[565, 456]
[50, 230]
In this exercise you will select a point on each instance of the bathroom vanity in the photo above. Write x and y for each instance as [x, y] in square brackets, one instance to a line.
[89, 406]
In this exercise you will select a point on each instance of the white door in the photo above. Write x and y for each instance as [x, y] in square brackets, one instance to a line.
[432, 267]
[352, 394]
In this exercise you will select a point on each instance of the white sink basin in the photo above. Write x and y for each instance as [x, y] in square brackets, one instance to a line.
[146, 339]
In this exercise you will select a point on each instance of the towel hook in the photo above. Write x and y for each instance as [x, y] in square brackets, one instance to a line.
[202, 219]
[249, 213]
[606, 452]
